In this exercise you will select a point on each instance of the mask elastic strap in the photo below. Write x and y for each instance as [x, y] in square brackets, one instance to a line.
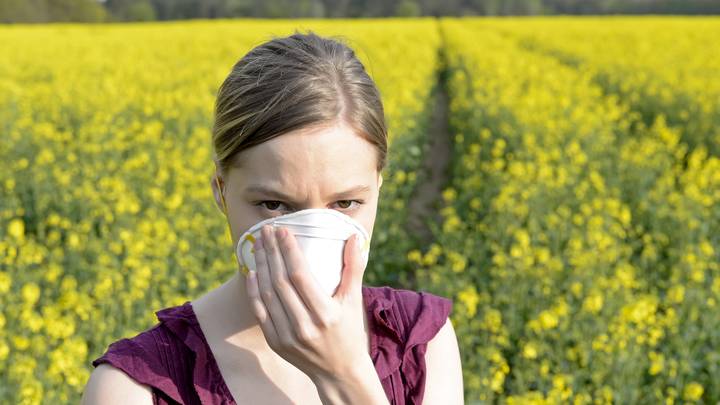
[243, 268]
[222, 196]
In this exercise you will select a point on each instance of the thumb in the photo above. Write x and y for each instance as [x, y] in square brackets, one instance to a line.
[353, 268]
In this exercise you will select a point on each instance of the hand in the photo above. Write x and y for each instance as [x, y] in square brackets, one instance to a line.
[322, 336]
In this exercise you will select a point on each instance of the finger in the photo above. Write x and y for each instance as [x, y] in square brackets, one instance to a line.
[267, 291]
[298, 314]
[310, 291]
[351, 281]
[258, 308]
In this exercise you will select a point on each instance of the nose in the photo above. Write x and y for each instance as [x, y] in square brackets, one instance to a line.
[313, 203]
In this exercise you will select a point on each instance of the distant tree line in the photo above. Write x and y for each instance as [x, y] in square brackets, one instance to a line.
[149, 10]
[31, 11]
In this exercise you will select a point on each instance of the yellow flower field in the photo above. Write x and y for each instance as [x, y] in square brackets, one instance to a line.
[106, 214]
[581, 219]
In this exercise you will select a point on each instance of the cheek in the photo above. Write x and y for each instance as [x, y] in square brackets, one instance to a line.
[244, 217]
[366, 217]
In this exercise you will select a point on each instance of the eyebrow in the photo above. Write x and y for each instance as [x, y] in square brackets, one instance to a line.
[259, 188]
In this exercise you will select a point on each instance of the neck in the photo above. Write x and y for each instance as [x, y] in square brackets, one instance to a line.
[227, 312]
[228, 308]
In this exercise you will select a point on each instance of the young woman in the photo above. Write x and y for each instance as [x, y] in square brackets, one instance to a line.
[299, 124]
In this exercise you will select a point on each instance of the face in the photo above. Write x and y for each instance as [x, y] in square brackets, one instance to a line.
[321, 167]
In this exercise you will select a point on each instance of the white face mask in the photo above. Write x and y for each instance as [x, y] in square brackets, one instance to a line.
[321, 234]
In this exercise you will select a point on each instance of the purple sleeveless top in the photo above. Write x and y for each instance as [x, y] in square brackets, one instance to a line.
[174, 359]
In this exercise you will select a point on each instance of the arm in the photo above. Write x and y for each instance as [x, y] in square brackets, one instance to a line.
[111, 386]
[444, 380]
[361, 386]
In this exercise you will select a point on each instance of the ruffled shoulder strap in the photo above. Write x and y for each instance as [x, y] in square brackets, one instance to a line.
[404, 322]
[172, 358]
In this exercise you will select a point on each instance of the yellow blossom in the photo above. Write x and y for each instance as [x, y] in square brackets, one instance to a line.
[693, 391]
[593, 303]
[676, 293]
[469, 297]
[16, 229]
[530, 351]
[30, 293]
[5, 282]
[657, 362]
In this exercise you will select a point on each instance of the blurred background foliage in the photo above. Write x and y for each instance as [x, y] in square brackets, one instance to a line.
[33, 11]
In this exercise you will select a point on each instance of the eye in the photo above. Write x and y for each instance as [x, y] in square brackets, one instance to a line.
[270, 205]
[346, 204]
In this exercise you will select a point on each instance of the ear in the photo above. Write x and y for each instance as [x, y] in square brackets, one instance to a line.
[380, 180]
[218, 191]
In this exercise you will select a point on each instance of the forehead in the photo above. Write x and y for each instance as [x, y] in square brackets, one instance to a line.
[329, 156]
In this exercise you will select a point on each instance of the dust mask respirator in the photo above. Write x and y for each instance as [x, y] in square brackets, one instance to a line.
[321, 235]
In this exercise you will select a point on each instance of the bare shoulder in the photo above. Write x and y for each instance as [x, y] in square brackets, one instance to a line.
[110, 385]
[444, 383]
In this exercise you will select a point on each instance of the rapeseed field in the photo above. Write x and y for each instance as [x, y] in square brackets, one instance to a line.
[580, 221]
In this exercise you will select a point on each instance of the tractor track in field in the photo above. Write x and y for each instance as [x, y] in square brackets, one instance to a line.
[424, 204]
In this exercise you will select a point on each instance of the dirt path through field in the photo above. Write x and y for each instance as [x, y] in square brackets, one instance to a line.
[424, 203]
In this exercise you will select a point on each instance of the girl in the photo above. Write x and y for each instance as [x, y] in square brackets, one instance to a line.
[298, 124]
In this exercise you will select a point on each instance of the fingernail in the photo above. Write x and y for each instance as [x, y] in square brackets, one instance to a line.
[281, 233]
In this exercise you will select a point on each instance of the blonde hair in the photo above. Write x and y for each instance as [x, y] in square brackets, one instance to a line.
[290, 83]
